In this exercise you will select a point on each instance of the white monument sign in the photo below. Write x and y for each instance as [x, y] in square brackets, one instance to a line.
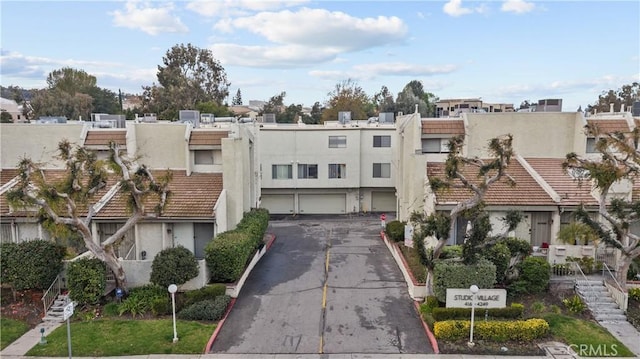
[486, 298]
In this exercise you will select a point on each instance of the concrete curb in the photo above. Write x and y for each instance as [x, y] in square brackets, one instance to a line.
[427, 330]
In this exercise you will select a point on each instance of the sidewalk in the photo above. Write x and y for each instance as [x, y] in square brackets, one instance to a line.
[30, 339]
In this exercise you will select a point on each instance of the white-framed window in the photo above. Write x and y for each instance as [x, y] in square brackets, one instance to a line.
[307, 171]
[337, 141]
[382, 170]
[281, 171]
[203, 157]
[382, 141]
[435, 145]
[337, 170]
[591, 145]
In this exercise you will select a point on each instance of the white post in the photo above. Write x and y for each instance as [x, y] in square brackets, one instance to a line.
[474, 290]
[173, 289]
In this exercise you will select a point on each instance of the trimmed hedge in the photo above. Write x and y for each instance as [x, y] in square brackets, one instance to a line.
[535, 273]
[395, 230]
[512, 312]
[449, 274]
[173, 266]
[228, 253]
[211, 309]
[31, 264]
[521, 330]
[86, 280]
[205, 293]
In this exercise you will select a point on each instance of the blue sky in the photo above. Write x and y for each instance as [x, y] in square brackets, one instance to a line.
[501, 51]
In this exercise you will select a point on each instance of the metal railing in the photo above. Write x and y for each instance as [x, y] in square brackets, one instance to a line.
[617, 292]
[586, 280]
[52, 293]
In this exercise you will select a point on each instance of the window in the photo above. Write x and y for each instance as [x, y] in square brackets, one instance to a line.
[337, 141]
[203, 157]
[591, 145]
[381, 170]
[307, 171]
[281, 171]
[435, 145]
[381, 141]
[337, 171]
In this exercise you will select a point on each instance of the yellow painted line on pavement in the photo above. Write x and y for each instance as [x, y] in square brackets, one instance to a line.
[324, 293]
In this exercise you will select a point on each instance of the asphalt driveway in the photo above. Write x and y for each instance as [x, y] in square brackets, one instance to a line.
[325, 286]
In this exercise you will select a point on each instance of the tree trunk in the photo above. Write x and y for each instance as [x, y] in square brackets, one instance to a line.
[115, 266]
[429, 282]
[621, 271]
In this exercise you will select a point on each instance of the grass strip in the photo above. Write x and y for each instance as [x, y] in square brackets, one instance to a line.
[10, 330]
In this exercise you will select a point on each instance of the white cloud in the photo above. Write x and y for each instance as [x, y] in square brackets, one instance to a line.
[151, 20]
[319, 28]
[455, 8]
[225, 8]
[270, 56]
[517, 6]
[404, 69]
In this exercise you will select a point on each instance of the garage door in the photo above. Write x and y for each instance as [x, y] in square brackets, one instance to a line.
[322, 203]
[277, 203]
[383, 202]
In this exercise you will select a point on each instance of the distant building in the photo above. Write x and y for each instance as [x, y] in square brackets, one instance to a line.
[454, 107]
[12, 107]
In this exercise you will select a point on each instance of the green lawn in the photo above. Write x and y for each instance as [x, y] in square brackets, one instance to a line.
[117, 337]
[10, 330]
[586, 338]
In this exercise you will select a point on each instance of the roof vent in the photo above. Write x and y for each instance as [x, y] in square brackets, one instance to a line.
[344, 117]
[191, 116]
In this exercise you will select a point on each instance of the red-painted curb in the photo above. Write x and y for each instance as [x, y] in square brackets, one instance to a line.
[427, 330]
[231, 304]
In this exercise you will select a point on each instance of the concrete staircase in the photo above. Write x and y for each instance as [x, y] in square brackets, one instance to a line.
[55, 313]
[599, 301]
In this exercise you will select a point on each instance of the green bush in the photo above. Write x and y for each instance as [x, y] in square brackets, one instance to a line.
[574, 304]
[430, 303]
[110, 309]
[449, 274]
[512, 312]
[634, 293]
[173, 266]
[143, 300]
[499, 331]
[517, 246]
[395, 230]
[31, 264]
[227, 255]
[451, 252]
[534, 276]
[205, 293]
[210, 309]
[254, 223]
[499, 255]
[86, 280]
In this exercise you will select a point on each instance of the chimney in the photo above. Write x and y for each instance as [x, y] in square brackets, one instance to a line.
[622, 108]
[611, 107]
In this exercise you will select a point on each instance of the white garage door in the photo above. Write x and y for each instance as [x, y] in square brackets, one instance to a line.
[277, 203]
[322, 203]
[383, 202]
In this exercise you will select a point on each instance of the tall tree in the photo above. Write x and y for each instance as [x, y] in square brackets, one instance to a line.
[346, 96]
[71, 80]
[625, 95]
[384, 101]
[619, 162]
[413, 94]
[486, 171]
[275, 104]
[61, 201]
[237, 99]
[315, 116]
[189, 75]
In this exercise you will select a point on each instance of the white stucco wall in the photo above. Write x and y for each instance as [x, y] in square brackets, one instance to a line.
[149, 238]
[161, 145]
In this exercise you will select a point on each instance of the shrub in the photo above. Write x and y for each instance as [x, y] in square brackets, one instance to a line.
[512, 312]
[227, 255]
[457, 275]
[254, 223]
[534, 276]
[86, 280]
[31, 264]
[430, 303]
[517, 246]
[538, 307]
[520, 330]
[143, 300]
[173, 266]
[451, 252]
[110, 309]
[574, 304]
[499, 255]
[395, 230]
[205, 293]
[210, 309]
[555, 309]
[634, 293]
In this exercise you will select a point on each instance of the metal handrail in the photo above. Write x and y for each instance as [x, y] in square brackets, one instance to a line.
[584, 276]
[51, 294]
[623, 302]
[605, 266]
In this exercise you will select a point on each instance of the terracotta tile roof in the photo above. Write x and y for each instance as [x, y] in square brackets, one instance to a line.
[104, 137]
[608, 126]
[191, 197]
[526, 192]
[570, 190]
[207, 137]
[443, 127]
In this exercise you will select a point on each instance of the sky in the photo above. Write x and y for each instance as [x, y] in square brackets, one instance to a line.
[500, 51]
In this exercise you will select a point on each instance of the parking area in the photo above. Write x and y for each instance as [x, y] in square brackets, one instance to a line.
[328, 285]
